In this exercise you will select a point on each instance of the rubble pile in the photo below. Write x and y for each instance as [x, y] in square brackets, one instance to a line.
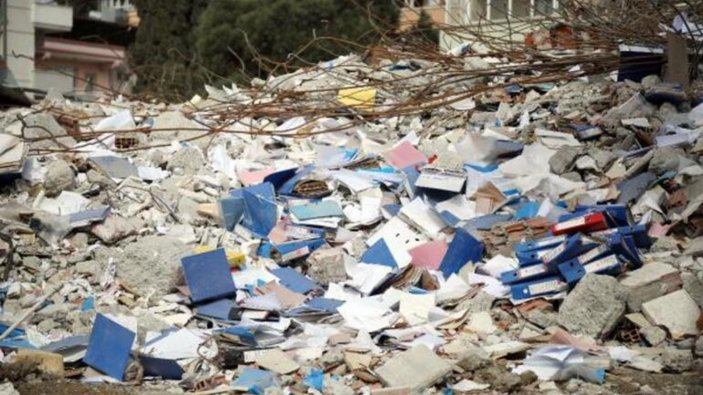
[531, 238]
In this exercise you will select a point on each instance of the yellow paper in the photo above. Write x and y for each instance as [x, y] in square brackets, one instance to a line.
[360, 98]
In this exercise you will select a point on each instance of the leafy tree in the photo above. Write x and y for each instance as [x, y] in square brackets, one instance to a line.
[241, 38]
[163, 55]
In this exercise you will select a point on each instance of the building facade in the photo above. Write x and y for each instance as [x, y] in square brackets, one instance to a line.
[504, 20]
[26, 23]
[44, 47]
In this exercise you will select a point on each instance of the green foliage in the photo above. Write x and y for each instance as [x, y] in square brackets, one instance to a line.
[240, 38]
[163, 55]
[186, 44]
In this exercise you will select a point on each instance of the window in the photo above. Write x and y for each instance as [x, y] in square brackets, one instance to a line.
[477, 10]
[544, 7]
[497, 10]
[521, 9]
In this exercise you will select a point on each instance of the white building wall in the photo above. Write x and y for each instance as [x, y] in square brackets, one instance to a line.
[61, 82]
[507, 21]
[20, 39]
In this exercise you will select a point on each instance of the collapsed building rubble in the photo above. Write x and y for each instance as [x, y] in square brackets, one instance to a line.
[307, 236]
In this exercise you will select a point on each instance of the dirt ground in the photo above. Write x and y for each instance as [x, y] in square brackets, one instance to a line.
[71, 388]
[624, 381]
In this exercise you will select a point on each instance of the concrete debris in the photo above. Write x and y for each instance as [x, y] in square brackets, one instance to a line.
[277, 361]
[653, 335]
[649, 282]
[676, 311]
[594, 307]
[502, 380]
[150, 265]
[113, 229]
[694, 286]
[532, 233]
[473, 360]
[8, 389]
[416, 369]
[59, 177]
[188, 160]
[698, 349]
[563, 160]
[675, 360]
[327, 266]
[646, 364]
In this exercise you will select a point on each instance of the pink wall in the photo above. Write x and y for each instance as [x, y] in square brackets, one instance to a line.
[85, 61]
[100, 72]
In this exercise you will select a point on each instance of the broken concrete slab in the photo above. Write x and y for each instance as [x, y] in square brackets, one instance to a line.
[649, 282]
[676, 311]
[113, 229]
[694, 286]
[150, 264]
[187, 159]
[653, 335]
[472, 360]
[563, 160]
[277, 361]
[48, 133]
[355, 360]
[327, 266]
[416, 368]
[677, 361]
[695, 247]
[59, 177]
[8, 389]
[646, 364]
[593, 307]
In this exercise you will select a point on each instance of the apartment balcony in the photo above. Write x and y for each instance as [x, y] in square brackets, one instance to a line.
[53, 17]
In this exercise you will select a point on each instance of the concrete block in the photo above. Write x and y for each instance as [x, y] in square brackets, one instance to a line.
[277, 361]
[677, 361]
[694, 287]
[594, 306]
[676, 311]
[416, 368]
[649, 282]
[653, 334]
[327, 266]
[59, 177]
